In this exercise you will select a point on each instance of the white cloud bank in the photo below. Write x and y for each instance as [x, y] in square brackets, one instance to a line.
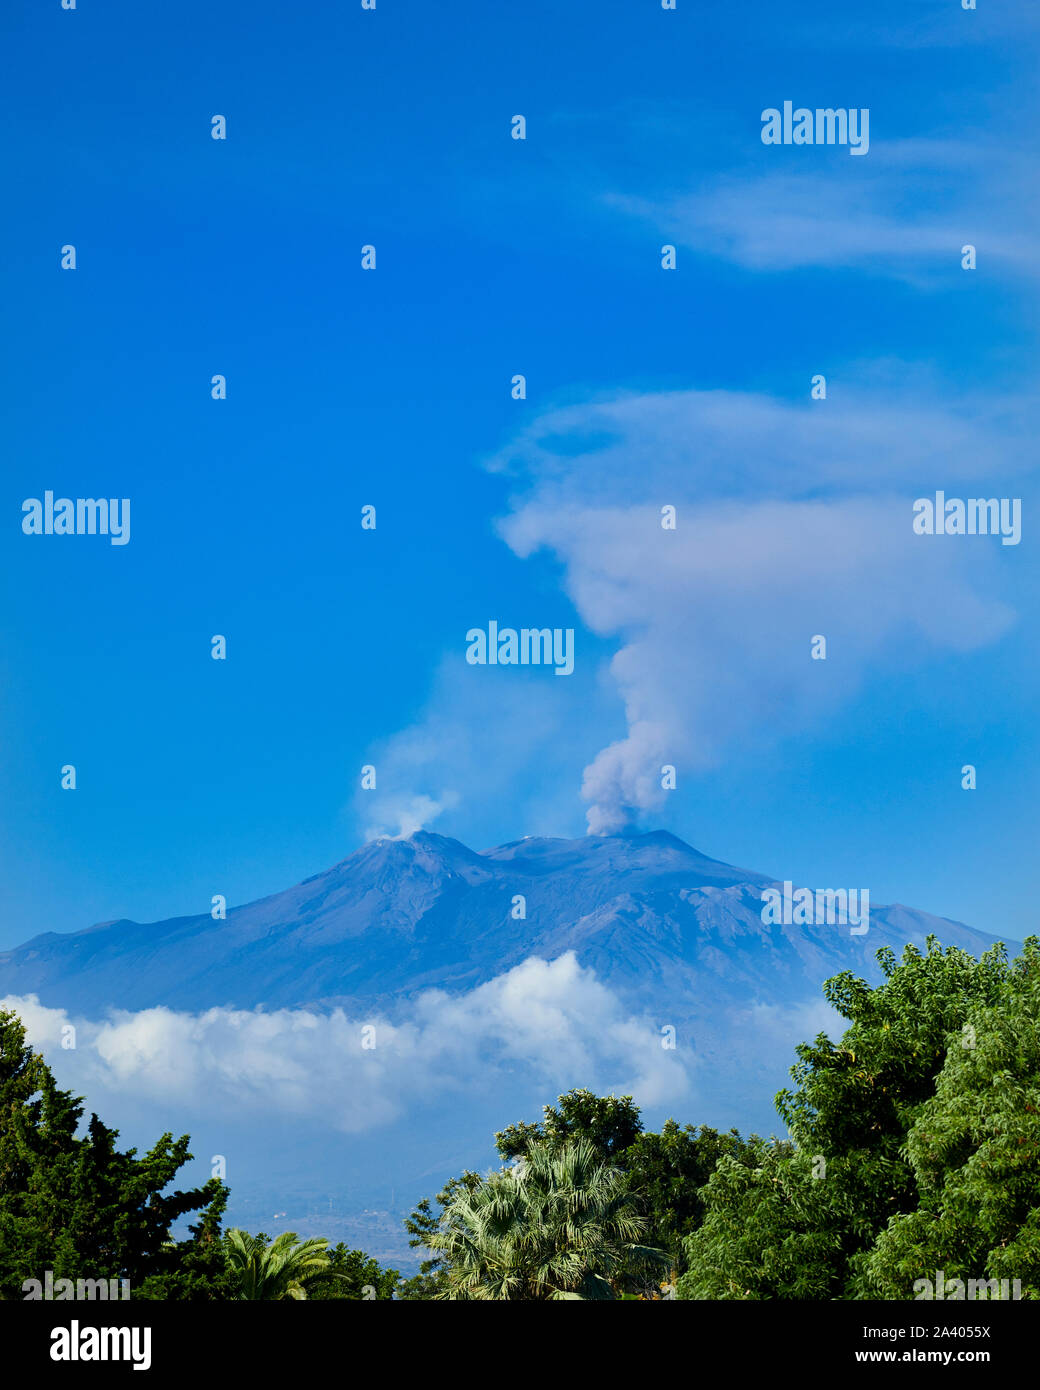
[552, 1022]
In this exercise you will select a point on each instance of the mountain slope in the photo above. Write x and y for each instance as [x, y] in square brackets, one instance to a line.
[660, 923]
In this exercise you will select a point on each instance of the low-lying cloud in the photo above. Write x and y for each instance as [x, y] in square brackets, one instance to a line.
[551, 1022]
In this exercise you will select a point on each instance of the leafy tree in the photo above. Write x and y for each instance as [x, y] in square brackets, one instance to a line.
[974, 1151]
[766, 1232]
[668, 1170]
[81, 1207]
[422, 1225]
[353, 1275]
[193, 1269]
[664, 1173]
[610, 1124]
[665, 1170]
[560, 1224]
[800, 1221]
[285, 1268]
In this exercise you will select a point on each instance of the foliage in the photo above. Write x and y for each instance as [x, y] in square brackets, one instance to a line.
[668, 1170]
[193, 1269]
[82, 1208]
[285, 1268]
[422, 1226]
[974, 1151]
[354, 1275]
[560, 1224]
[665, 1170]
[801, 1221]
[608, 1123]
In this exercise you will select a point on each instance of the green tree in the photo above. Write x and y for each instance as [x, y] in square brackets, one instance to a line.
[560, 1224]
[81, 1207]
[668, 1170]
[767, 1231]
[665, 1170]
[353, 1275]
[285, 1268]
[422, 1225]
[610, 1124]
[974, 1152]
[194, 1269]
[800, 1220]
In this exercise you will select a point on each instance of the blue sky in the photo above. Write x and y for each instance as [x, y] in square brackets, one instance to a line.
[347, 387]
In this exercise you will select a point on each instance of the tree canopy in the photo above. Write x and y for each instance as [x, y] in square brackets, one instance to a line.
[912, 1147]
[78, 1205]
[918, 1122]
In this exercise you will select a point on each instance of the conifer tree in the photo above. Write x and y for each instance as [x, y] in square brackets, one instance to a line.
[79, 1206]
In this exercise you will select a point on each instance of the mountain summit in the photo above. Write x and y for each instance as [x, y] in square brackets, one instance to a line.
[661, 924]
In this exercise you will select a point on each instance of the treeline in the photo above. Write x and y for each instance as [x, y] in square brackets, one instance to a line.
[913, 1148]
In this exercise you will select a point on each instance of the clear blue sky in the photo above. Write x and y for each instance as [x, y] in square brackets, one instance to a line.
[347, 387]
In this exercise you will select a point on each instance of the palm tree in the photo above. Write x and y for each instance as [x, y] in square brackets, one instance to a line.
[283, 1269]
[561, 1224]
